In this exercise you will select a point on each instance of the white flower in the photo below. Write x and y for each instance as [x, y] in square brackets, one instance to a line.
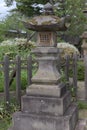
[16, 41]
[1, 108]
[67, 49]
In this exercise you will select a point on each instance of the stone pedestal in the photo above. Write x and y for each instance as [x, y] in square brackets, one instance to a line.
[33, 121]
[46, 113]
[47, 104]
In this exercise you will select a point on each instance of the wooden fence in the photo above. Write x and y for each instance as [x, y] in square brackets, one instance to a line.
[15, 66]
[71, 65]
[18, 64]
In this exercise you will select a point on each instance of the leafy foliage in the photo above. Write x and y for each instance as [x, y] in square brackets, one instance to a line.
[6, 114]
[22, 47]
[2, 31]
[12, 22]
[82, 105]
[80, 71]
[9, 2]
[28, 7]
[12, 48]
[76, 19]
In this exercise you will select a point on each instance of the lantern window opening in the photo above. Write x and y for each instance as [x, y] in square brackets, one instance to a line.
[45, 38]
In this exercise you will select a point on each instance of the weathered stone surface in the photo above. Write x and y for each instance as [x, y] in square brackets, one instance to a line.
[82, 124]
[45, 51]
[46, 122]
[47, 90]
[72, 111]
[81, 94]
[47, 72]
[46, 105]
[46, 23]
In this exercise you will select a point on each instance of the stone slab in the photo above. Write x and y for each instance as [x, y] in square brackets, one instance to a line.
[45, 50]
[82, 124]
[26, 121]
[46, 105]
[46, 90]
[81, 94]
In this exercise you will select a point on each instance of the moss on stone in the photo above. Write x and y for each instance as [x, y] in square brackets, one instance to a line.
[33, 21]
[46, 23]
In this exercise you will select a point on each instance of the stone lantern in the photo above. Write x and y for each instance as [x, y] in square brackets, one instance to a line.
[84, 35]
[84, 43]
[47, 104]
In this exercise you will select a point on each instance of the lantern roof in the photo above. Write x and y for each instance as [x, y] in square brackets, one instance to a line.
[84, 35]
[46, 21]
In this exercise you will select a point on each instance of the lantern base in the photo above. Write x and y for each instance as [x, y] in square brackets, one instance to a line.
[30, 121]
[46, 105]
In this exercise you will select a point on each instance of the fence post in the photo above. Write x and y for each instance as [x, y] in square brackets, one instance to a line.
[75, 74]
[67, 68]
[85, 64]
[29, 69]
[58, 60]
[6, 80]
[18, 79]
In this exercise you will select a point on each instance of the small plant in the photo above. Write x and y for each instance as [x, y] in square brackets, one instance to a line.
[63, 79]
[17, 46]
[80, 71]
[6, 111]
[82, 105]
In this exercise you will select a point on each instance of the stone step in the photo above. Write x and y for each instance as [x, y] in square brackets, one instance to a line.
[46, 90]
[27, 121]
[46, 105]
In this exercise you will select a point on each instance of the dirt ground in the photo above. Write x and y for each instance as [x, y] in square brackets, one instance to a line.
[81, 96]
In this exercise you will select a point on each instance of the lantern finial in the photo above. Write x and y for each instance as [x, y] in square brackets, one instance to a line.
[48, 8]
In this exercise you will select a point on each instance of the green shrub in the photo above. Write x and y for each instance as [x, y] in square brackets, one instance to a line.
[23, 81]
[1, 38]
[1, 81]
[80, 71]
[12, 48]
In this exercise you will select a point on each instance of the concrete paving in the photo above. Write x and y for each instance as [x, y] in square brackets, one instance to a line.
[81, 90]
[82, 124]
